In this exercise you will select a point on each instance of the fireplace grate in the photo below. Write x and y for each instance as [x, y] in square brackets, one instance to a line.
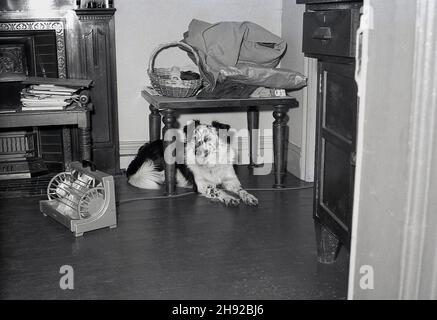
[19, 156]
[17, 145]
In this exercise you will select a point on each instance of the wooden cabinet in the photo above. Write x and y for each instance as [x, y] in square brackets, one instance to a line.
[335, 149]
[97, 51]
[329, 36]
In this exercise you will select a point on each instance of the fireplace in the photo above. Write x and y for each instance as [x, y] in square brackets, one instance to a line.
[64, 39]
[30, 48]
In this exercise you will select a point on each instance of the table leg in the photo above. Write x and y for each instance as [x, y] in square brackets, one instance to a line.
[253, 124]
[280, 138]
[85, 143]
[85, 137]
[170, 167]
[66, 142]
[154, 124]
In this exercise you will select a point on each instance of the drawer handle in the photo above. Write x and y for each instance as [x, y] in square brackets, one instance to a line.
[353, 159]
[322, 33]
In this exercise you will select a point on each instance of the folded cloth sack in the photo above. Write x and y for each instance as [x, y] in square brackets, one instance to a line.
[227, 44]
[278, 78]
[228, 90]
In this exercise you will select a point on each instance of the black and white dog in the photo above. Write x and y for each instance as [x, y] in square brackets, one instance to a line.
[207, 166]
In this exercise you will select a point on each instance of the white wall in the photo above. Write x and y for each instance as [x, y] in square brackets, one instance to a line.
[292, 20]
[302, 120]
[143, 25]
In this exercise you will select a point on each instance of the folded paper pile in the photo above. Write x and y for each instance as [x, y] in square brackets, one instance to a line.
[47, 97]
[49, 94]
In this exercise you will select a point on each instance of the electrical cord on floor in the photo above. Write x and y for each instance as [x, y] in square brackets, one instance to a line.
[280, 189]
[156, 197]
[192, 192]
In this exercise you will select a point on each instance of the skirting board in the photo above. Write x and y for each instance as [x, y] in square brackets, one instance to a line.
[294, 160]
[128, 150]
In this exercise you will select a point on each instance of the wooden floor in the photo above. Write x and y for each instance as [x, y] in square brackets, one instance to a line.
[183, 248]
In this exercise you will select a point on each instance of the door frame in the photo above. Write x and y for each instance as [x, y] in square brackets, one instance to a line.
[394, 230]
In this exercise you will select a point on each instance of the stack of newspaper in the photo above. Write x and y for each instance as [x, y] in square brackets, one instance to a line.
[47, 97]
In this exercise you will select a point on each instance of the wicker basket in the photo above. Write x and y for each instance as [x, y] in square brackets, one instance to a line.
[161, 77]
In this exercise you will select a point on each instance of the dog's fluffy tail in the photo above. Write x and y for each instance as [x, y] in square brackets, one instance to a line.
[147, 177]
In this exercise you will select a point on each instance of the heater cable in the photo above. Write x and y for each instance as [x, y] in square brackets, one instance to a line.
[192, 192]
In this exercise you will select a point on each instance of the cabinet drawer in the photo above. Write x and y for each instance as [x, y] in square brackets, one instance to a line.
[330, 32]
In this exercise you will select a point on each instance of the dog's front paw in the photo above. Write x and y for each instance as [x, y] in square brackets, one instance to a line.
[229, 200]
[248, 198]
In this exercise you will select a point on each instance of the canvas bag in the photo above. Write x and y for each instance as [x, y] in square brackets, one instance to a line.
[230, 44]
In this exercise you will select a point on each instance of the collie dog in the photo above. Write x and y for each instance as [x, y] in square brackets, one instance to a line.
[208, 165]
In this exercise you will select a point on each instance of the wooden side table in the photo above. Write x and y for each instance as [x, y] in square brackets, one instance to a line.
[166, 107]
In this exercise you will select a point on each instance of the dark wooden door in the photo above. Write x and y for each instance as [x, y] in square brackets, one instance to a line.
[335, 154]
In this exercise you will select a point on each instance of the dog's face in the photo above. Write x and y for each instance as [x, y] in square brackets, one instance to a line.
[207, 144]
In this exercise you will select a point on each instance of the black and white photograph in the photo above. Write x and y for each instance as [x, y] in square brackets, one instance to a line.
[218, 155]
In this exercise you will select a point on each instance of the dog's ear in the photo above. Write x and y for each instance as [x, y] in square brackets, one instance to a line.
[192, 124]
[219, 125]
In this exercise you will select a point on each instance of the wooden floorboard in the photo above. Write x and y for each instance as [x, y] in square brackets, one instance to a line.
[181, 248]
